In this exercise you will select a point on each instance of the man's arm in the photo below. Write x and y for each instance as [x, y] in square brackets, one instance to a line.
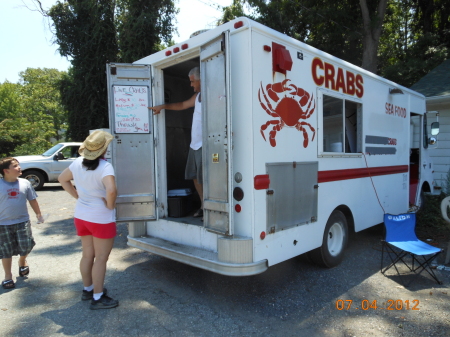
[190, 103]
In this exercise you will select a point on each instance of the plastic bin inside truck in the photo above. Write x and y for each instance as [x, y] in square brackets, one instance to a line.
[180, 202]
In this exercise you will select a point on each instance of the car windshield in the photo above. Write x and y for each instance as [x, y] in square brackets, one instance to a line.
[52, 150]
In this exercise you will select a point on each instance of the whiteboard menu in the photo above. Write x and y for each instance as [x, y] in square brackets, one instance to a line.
[130, 109]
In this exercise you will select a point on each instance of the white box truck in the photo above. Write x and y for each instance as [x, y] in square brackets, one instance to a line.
[299, 149]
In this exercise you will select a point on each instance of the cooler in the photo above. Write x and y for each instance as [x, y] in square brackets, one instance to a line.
[180, 202]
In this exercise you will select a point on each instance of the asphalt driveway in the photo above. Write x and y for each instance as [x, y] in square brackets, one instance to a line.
[160, 297]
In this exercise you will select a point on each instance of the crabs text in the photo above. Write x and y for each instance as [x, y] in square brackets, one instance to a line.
[338, 79]
[395, 110]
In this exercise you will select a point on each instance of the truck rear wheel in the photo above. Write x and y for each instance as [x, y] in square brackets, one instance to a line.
[335, 238]
[36, 179]
[421, 200]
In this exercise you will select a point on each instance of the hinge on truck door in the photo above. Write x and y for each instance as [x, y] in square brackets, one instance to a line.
[222, 43]
[155, 142]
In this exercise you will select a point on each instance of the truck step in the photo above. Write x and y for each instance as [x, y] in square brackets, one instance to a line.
[196, 257]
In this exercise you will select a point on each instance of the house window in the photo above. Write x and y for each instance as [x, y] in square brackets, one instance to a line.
[341, 125]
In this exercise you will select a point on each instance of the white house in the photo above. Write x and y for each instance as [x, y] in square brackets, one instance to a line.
[436, 87]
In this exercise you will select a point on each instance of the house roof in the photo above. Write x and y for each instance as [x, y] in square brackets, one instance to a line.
[436, 82]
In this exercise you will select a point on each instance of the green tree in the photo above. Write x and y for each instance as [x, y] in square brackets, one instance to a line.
[142, 26]
[30, 112]
[10, 107]
[235, 10]
[85, 32]
[42, 98]
[398, 39]
[10, 103]
[347, 29]
[373, 16]
[21, 137]
[415, 40]
[94, 32]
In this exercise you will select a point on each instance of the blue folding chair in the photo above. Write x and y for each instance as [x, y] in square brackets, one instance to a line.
[402, 245]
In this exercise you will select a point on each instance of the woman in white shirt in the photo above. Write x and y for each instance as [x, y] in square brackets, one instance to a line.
[94, 215]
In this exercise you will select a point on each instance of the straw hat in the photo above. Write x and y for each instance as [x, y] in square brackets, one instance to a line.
[95, 144]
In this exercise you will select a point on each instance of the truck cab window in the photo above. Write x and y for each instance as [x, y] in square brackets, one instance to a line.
[340, 125]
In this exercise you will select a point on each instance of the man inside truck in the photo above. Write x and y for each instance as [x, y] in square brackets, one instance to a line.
[194, 162]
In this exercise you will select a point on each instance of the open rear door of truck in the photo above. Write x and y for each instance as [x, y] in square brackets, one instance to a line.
[217, 163]
[129, 95]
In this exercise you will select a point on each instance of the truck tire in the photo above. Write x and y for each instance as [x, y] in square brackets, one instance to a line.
[36, 179]
[335, 238]
[445, 204]
[421, 200]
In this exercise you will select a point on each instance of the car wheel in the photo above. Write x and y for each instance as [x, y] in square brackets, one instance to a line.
[335, 238]
[36, 179]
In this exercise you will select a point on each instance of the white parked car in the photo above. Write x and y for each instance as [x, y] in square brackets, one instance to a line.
[45, 168]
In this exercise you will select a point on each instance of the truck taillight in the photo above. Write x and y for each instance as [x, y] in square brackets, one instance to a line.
[238, 193]
[238, 208]
[262, 235]
[184, 46]
[238, 24]
[168, 53]
[176, 49]
[261, 182]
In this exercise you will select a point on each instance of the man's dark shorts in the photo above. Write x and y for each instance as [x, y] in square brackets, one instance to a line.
[194, 165]
[16, 239]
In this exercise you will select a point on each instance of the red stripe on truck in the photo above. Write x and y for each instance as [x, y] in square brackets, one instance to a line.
[336, 175]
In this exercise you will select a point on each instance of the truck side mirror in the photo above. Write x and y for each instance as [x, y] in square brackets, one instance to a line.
[434, 128]
[60, 156]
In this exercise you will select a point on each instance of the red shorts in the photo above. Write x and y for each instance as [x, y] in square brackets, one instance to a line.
[97, 230]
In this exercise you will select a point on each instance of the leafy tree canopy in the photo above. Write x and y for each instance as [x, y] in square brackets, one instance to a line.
[95, 32]
[41, 97]
[334, 26]
[415, 40]
[30, 112]
[85, 31]
[401, 40]
[142, 26]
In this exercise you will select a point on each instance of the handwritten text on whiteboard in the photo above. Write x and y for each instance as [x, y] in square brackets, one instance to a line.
[130, 109]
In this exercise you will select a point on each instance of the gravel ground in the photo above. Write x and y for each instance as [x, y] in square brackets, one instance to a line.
[160, 297]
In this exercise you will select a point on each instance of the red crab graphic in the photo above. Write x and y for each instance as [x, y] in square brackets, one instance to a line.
[289, 109]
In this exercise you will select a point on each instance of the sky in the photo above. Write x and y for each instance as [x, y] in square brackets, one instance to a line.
[26, 37]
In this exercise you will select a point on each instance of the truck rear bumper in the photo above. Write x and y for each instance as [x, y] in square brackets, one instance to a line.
[196, 257]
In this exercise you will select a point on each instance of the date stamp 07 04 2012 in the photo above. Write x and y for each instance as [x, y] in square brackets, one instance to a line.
[373, 305]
